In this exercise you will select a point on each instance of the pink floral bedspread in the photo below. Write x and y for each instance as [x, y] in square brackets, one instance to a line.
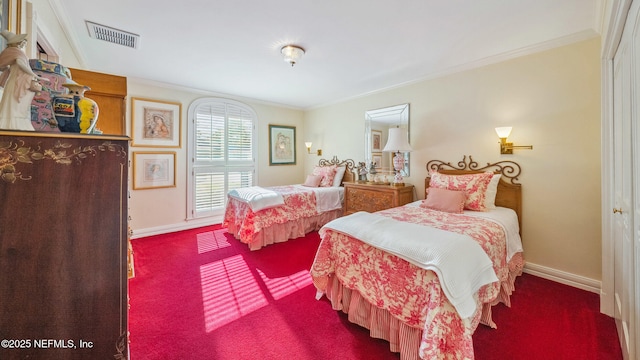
[298, 203]
[411, 294]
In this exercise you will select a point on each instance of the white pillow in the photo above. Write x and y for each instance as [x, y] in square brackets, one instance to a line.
[337, 179]
[492, 190]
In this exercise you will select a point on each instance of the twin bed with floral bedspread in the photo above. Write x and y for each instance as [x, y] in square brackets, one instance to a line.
[424, 275]
[261, 216]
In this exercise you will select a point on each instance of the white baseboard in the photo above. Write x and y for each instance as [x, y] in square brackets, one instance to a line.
[563, 277]
[187, 225]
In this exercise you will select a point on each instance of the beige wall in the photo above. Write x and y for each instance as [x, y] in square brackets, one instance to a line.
[162, 210]
[552, 100]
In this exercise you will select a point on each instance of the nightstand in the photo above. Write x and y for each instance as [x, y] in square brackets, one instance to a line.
[372, 197]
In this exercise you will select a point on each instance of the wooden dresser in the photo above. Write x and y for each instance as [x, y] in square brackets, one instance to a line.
[63, 246]
[371, 198]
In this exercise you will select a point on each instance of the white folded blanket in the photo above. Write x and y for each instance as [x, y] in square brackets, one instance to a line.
[459, 261]
[257, 197]
[327, 198]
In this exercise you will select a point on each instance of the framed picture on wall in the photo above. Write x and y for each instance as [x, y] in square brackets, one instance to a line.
[153, 170]
[155, 123]
[282, 145]
[376, 140]
[377, 160]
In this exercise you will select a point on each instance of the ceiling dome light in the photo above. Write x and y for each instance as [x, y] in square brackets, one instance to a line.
[292, 53]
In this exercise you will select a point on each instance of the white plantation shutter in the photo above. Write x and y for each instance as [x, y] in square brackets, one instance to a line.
[210, 140]
[240, 144]
[222, 153]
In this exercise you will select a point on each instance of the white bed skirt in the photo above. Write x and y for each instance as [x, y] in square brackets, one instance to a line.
[278, 233]
[402, 338]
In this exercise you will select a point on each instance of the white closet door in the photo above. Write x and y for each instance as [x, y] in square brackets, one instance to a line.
[633, 20]
[626, 135]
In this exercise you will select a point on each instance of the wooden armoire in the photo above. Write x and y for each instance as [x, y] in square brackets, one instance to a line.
[63, 246]
[110, 93]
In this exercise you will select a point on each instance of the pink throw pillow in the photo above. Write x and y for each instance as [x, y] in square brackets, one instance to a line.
[327, 173]
[313, 180]
[451, 201]
[474, 185]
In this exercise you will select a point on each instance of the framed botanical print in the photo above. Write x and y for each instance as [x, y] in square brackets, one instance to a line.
[152, 170]
[155, 123]
[282, 145]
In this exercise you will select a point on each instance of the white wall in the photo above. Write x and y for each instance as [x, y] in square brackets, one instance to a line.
[552, 101]
[45, 20]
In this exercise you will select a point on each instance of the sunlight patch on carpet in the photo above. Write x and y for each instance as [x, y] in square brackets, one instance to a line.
[229, 291]
[283, 286]
[211, 241]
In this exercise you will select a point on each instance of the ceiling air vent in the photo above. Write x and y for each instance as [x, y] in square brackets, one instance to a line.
[112, 35]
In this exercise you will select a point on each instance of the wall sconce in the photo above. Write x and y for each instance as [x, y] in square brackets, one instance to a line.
[507, 147]
[308, 145]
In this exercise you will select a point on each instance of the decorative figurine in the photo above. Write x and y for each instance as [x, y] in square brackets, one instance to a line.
[372, 168]
[362, 171]
[20, 84]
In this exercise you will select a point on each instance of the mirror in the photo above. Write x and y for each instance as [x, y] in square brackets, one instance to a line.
[376, 131]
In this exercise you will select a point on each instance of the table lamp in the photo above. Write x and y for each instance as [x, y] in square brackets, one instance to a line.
[398, 143]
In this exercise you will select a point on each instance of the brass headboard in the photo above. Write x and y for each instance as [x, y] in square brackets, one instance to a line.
[509, 192]
[349, 175]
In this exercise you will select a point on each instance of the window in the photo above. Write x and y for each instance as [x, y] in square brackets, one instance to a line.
[221, 153]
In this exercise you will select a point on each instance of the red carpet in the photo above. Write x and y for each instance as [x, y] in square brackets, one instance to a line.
[548, 320]
[201, 294]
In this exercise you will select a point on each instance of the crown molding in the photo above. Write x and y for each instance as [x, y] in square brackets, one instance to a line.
[67, 29]
[516, 53]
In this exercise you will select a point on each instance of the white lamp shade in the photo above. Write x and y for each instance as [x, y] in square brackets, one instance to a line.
[397, 141]
[308, 144]
[503, 132]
